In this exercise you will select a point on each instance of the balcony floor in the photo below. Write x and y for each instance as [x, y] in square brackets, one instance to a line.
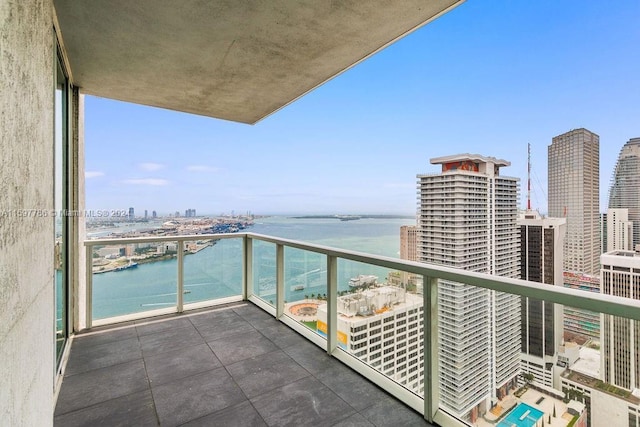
[234, 365]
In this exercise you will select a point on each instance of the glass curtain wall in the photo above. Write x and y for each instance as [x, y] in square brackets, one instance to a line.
[61, 203]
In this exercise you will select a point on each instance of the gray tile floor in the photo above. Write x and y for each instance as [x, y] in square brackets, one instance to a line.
[229, 366]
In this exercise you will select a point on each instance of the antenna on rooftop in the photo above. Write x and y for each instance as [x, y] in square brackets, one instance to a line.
[528, 176]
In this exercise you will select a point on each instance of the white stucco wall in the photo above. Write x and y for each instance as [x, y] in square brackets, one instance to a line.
[607, 410]
[26, 182]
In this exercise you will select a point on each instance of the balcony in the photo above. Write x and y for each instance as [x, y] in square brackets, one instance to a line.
[237, 349]
[225, 366]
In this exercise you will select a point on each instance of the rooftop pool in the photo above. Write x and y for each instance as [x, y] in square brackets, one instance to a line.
[522, 415]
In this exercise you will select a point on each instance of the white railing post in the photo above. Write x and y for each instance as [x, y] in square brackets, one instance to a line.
[279, 280]
[430, 347]
[332, 302]
[247, 270]
[180, 290]
[89, 287]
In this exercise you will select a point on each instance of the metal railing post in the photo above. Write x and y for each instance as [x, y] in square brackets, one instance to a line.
[247, 277]
[279, 280]
[89, 287]
[332, 302]
[430, 347]
[180, 299]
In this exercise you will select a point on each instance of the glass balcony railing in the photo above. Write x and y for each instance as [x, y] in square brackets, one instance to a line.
[490, 352]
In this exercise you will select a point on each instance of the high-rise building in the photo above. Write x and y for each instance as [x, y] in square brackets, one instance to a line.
[468, 219]
[146, 214]
[578, 322]
[408, 242]
[131, 214]
[541, 241]
[625, 185]
[620, 361]
[409, 252]
[574, 194]
[619, 230]
[603, 232]
[154, 214]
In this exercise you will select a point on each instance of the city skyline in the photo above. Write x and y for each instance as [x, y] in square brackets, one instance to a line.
[485, 78]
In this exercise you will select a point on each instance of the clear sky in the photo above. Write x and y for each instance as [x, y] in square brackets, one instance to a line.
[487, 78]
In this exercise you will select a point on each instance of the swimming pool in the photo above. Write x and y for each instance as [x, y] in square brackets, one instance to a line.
[522, 415]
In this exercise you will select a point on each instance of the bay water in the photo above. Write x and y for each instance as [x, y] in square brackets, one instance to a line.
[216, 271]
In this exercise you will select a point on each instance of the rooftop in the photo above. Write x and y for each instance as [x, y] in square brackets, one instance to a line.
[232, 365]
[588, 363]
[469, 157]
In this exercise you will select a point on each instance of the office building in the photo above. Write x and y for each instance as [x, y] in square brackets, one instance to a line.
[409, 252]
[382, 326]
[574, 194]
[619, 230]
[408, 242]
[620, 276]
[468, 219]
[579, 323]
[603, 232]
[625, 185]
[131, 214]
[541, 241]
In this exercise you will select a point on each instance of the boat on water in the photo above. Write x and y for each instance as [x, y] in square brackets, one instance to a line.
[126, 266]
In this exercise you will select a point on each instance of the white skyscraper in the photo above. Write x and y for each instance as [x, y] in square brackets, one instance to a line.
[620, 276]
[468, 219]
[619, 230]
[574, 193]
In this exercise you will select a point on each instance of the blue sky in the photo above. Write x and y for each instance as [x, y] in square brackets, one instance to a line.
[487, 78]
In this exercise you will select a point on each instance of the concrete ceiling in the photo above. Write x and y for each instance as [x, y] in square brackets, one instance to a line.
[238, 60]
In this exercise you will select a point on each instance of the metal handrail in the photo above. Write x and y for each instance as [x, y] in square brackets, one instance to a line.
[429, 405]
[606, 304]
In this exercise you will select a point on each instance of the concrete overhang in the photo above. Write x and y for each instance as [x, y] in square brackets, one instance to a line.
[238, 60]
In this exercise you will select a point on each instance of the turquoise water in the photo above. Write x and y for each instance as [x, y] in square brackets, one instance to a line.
[216, 271]
[513, 418]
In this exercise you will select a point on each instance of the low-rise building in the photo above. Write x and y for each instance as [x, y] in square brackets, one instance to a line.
[383, 327]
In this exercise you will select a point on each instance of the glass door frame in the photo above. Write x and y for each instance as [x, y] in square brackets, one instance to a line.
[62, 205]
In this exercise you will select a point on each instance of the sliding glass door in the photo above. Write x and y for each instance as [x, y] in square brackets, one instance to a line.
[61, 203]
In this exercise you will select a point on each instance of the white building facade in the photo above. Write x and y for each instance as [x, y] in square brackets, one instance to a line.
[620, 276]
[383, 327]
[468, 219]
[619, 230]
